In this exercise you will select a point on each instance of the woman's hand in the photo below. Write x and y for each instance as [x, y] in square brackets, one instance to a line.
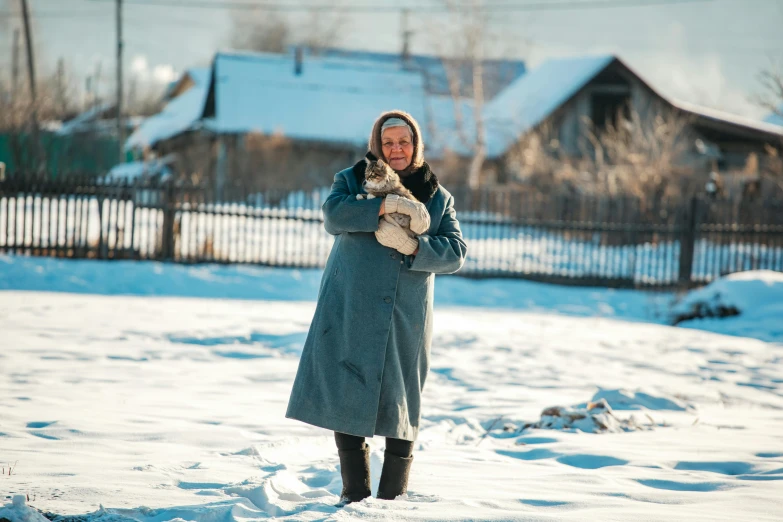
[420, 218]
[382, 210]
[394, 236]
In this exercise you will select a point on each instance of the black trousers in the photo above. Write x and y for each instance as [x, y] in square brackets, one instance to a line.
[399, 447]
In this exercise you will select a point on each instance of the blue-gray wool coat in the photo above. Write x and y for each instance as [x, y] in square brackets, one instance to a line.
[367, 352]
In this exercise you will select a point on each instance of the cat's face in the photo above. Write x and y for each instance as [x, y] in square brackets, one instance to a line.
[378, 174]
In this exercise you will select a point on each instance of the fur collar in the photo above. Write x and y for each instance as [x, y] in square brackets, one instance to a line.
[422, 182]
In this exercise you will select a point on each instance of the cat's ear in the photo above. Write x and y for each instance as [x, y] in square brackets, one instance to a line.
[370, 156]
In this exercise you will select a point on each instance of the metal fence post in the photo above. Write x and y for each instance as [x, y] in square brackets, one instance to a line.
[167, 204]
[688, 242]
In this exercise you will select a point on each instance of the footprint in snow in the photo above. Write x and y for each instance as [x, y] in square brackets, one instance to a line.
[671, 485]
[590, 461]
[772, 455]
[38, 425]
[724, 468]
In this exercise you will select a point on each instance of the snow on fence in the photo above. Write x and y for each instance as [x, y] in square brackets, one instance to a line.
[510, 233]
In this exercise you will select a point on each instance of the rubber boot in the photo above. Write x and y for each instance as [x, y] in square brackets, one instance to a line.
[355, 471]
[394, 476]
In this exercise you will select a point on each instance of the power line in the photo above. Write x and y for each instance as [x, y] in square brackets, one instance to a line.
[323, 7]
[56, 14]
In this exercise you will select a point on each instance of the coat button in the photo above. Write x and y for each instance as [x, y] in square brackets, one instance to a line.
[387, 299]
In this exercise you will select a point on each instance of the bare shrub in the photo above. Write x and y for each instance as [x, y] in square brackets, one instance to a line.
[640, 157]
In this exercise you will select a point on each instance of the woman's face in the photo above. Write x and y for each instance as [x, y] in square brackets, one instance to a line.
[397, 147]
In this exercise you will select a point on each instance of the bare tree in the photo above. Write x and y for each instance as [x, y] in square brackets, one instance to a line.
[268, 31]
[262, 31]
[646, 157]
[771, 81]
[464, 39]
[319, 30]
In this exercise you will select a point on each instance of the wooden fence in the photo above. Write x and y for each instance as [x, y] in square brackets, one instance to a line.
[619, 242]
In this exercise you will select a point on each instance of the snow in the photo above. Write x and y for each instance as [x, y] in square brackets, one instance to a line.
[757, 296]
[179, 115]
[85, 118]
[151, 278]
[197, 75]
[775, 118]
[121, 399]
[332, 100]
[17, 511]
[497, 72]
[706, 112]
[533, 97]
[136, 170]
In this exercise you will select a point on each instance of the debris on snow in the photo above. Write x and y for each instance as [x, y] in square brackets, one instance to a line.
[594, 417]
[627, 400]
[18, 511]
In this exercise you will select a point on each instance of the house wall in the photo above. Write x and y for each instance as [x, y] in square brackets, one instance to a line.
[276, 162]
[258, 162]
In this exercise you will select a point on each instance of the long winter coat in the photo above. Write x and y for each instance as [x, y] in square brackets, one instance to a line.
[367, 353]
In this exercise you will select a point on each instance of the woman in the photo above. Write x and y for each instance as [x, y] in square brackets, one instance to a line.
[366, 356]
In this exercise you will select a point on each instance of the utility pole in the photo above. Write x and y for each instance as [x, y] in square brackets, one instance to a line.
[31, 76]
[29, 42]
[406, 36]
[15, 66]
[61, 98]
[120, 129]
[87, 100]
[96, 85]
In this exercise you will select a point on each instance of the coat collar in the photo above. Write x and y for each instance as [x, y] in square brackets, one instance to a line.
[422, 182]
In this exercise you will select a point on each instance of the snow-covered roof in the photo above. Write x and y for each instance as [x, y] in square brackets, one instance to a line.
[776, 118]
[196, 75]
[179, 115]
[715, 114]
[84, 120]
[332, 100]
[535, 96]
[497, 73]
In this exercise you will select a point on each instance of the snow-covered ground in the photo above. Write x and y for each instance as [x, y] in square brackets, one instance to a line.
[164, 398]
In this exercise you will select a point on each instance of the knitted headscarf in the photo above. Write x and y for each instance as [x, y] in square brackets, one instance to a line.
[417, 160]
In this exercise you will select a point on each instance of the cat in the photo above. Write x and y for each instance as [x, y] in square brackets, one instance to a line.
[380, 180]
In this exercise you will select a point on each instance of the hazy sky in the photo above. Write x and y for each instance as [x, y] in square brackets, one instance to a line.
[707, 52]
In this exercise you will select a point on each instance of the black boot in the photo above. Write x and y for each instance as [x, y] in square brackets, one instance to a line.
[355, 471]
[394, 476]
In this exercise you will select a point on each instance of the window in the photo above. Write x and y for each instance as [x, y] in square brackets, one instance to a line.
[607, 107]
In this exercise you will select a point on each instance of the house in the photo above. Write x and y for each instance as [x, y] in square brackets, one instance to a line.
[83, 144]
[292, 120]
[568, 98]
[285, 120]
[269, 120]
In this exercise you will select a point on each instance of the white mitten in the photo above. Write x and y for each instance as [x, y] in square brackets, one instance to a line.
[420, 218]
[394, 236]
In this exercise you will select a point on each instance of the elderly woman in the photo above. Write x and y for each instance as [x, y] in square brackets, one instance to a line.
[367, 353]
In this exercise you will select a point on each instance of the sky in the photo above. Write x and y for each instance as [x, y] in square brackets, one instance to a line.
[705, 52]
